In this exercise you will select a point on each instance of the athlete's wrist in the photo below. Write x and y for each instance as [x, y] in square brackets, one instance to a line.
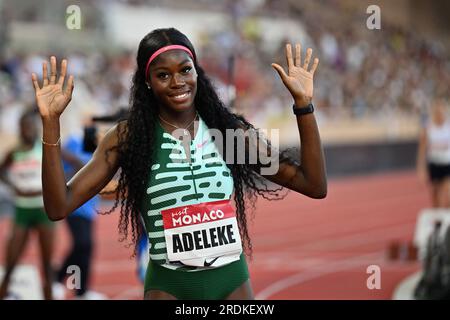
[302, 101]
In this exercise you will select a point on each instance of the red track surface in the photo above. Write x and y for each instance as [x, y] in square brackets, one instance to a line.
[303, 248]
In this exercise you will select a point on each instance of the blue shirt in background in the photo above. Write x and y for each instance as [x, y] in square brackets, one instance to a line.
[74, 146]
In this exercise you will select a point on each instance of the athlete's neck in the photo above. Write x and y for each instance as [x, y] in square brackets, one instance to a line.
[26, 145]
[180, 119]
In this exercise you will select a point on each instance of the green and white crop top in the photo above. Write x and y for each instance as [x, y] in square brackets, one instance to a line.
[25, 174]
[176, 182]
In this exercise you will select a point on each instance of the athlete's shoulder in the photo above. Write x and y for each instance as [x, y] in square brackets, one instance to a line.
[20, 149]
[8, 158]
[121, 127]
[115, 134]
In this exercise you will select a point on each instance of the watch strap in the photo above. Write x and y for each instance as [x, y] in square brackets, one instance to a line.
[304, 110]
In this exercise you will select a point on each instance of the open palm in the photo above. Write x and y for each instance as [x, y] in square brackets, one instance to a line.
[298, 80]
[51, 98]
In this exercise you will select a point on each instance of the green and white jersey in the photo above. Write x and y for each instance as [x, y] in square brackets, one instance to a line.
[25, 175]
[175, 182]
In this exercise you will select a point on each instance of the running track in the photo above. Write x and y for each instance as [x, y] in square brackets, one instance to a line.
[303, 248]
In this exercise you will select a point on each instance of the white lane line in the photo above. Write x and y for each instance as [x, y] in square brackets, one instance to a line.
[319, 271]
[330, 267]
[348, 240]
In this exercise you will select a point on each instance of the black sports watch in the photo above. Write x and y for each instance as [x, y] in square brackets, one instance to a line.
[304, 110]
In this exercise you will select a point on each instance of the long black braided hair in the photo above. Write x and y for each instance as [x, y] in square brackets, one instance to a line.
[136, 142]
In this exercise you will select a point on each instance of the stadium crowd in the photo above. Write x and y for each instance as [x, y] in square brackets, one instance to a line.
[390, 72]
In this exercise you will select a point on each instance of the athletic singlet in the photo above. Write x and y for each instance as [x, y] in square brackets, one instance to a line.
[438, 143]
[174, 182]
[25, 175]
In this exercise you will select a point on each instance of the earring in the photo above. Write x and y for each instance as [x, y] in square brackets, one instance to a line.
[149, 88]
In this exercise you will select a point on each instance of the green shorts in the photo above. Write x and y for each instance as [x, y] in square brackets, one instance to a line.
[213, 284]
[31, 217]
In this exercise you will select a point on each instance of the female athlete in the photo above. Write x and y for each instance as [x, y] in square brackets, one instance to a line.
[180, 189]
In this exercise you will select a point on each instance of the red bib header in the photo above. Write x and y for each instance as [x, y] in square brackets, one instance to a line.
[197, 214]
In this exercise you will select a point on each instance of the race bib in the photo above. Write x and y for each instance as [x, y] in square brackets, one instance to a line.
[202, 235]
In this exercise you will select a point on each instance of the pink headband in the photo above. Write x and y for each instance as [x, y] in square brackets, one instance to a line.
[164, 49]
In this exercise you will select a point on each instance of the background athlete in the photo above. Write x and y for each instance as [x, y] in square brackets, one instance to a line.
[21, 170]
[433, 154]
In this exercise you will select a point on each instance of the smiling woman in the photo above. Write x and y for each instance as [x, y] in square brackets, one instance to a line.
[173, 80]
[163, 178]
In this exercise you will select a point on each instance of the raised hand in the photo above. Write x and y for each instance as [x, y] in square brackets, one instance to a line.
[51, 98]
[298, 80]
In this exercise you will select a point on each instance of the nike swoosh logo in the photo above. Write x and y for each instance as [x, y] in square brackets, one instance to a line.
[200, 145]
[209, 264]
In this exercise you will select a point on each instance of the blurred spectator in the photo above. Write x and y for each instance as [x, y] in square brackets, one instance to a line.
[21, 171]
[80, 223]
[362, 74]
[433, 157]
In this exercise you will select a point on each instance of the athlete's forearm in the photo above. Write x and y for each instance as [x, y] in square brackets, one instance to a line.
[3, 170]
[53, 179]
[311, 155]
